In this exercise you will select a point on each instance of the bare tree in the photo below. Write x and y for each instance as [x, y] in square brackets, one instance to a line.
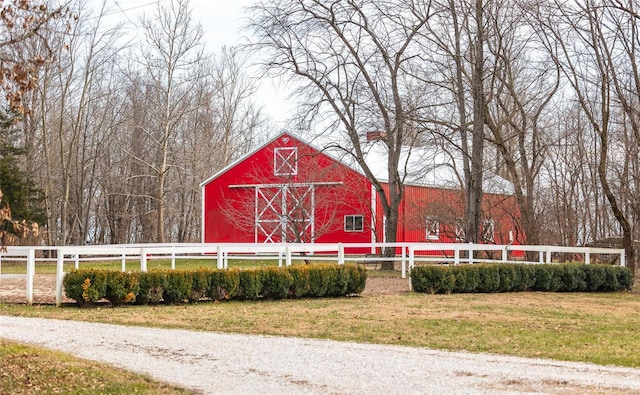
[172, 60]
[354, 62]
[595, 47]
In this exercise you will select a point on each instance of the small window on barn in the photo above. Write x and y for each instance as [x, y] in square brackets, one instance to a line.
[433, 228]
[353, 223]
[285, 161]
[488, 231]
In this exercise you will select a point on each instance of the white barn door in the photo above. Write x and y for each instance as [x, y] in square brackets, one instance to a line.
[285, 213]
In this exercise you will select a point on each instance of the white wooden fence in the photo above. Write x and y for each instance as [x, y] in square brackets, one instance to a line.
[408, 254]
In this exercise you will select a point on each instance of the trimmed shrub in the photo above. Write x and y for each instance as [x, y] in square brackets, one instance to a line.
[299, 281]
[199, 285]
[276, 283]
[178, 287]
[467, 279]
[489, 278]
[340, 283]
[223, 284]
[320, 277]
[85, 286]
[357, 279]
[151, 287]
[427, 279]
[121, 287]
[250, 284]
[513, 277]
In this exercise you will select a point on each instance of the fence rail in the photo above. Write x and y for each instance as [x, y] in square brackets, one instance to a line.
[408, 254]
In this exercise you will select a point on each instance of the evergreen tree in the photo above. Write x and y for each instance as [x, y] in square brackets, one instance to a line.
[19, 189]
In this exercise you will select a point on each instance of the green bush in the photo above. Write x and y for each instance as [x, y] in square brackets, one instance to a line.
[299, 281]
[489, 278]
[250, 284]
[151, 287]
[357, 279]
[467, 279]
[319, 280]
[199, 285]
[513, 277]
[85, 286]
[177, 286]
[276, 283]
[121, 287]
[223, 284]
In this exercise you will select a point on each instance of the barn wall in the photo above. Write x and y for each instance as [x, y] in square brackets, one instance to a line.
[443, 208]
[229, 207]
[229, 198]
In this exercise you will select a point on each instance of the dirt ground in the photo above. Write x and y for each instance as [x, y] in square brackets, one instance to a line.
[13, 288]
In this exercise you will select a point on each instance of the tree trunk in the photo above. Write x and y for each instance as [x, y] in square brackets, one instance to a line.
[474, 189]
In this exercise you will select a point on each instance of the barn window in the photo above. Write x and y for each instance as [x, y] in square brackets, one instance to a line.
[353, 223]
[433, 228]
[488, 231]
[285, 161]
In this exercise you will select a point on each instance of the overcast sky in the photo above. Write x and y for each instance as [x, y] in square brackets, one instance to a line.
[222, 21]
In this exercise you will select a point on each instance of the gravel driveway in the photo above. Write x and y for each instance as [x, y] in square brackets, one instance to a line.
[240, 364]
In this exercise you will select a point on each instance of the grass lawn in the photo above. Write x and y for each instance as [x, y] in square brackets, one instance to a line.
[32, 370]
[598, 328]
[588, 327]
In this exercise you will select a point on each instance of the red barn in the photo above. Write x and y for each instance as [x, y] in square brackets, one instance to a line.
[289, 191]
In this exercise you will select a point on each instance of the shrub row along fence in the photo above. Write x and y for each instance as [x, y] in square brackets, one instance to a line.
[570, 277]
[407, 255]
[87, 286]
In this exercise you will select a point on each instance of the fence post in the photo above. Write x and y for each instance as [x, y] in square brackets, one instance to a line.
[548, 255]
[31, 270]
[587, 256]
[220, 263]
[287, 252]
[340, 254]
[622, 257]
[470, 253]
[505, 254]
[124, 262]
[173, 258]
[77, 261]
[456, 256]
[143, 260]
[404, 264]
[59, 276]
[411, 263]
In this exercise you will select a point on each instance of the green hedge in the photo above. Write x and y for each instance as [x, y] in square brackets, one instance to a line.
[571, 277]
[87, 286]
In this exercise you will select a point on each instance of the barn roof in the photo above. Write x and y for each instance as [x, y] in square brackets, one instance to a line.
[424, 167]
[430, 166]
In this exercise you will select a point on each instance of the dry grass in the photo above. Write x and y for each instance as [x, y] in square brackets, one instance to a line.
[597, 328]
[31, 370]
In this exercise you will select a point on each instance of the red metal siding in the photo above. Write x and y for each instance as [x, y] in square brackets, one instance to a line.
[230, 201]
[445, 207]
[230, 198]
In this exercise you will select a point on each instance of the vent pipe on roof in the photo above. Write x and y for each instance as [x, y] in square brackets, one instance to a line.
[376, 135]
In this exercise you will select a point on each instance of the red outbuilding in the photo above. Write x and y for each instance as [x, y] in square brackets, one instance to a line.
[289, 191]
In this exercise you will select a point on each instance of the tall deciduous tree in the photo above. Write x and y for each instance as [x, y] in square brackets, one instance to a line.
[173, 57]
[595, 46]
[354, 62]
